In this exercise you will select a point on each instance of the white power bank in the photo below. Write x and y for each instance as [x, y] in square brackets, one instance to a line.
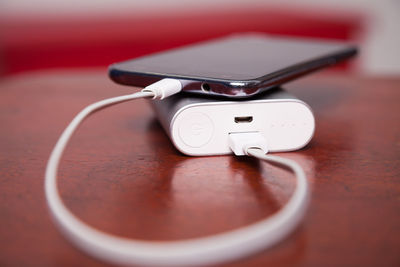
[200, 126]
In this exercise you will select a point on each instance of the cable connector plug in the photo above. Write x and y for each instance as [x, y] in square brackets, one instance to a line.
[164, 88]
[241, 142]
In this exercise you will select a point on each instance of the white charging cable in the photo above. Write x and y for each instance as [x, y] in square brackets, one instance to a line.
[200, 251]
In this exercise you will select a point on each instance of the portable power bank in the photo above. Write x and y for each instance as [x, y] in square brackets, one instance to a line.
[200, 126]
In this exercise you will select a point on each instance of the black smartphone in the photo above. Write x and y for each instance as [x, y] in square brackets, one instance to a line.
[236, 66]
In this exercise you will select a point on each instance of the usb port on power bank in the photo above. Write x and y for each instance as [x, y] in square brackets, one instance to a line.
[245, 119]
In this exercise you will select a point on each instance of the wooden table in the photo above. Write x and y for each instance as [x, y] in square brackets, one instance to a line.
[122, 175]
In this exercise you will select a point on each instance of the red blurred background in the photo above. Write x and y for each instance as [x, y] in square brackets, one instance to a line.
[97, 33]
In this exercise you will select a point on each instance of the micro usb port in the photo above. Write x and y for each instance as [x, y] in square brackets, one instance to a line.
[245, 119]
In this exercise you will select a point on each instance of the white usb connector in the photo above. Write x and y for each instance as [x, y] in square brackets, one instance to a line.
[241, 142]
[164, 88]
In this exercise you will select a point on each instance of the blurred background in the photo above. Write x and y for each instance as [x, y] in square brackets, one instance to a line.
[45, 34]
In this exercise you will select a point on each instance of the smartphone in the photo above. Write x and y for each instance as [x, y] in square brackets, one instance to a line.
[237, 66]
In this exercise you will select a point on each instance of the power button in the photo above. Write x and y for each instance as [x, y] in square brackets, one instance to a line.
[196, 129]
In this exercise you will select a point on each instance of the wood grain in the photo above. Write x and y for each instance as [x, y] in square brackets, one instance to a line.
[121, 174]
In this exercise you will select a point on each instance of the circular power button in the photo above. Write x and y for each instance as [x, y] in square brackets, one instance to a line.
[196, 129]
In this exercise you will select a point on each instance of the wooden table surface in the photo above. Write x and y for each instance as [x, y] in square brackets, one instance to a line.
[122, 175]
